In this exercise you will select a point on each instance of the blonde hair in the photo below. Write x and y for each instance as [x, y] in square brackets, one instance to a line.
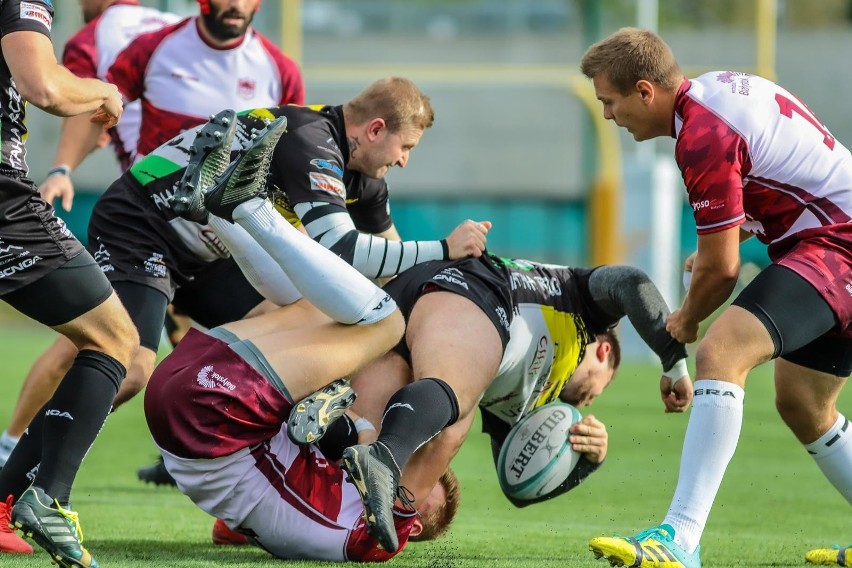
[396, 100]
[630, 55]
[436, 521]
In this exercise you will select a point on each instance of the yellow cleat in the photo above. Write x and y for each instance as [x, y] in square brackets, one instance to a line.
[653, 548]
[834, 556]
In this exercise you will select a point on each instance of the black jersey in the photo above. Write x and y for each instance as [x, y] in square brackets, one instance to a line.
[17, 16]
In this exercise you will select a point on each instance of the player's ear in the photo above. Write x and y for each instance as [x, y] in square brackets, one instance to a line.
[416, 528]
[645, 90]
[602, 352]
[375, 127]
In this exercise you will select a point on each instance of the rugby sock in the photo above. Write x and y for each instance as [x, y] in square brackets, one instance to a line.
[20, 470]
[415, 414]
[340, 435]
[327, 281]
[260, 269]
[73, 419]
[833, 454]
[711, 439]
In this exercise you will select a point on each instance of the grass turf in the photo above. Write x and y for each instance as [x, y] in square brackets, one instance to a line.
[773, 505]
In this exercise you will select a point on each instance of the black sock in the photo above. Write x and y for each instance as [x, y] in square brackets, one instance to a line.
[340, 435]
[20, 468]
[74, 418]
[415, 414]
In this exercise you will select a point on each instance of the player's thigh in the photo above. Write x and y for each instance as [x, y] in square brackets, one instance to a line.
[452, 338]
[806, 398]
[377, 382]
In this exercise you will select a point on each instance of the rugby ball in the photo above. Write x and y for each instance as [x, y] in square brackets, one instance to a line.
[537, 457]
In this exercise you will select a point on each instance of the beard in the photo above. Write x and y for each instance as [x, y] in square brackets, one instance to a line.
[224, 32]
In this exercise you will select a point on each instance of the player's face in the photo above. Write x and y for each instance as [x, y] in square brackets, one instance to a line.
[387, 149]
[629, 111]
[229, 19]
[592, 376]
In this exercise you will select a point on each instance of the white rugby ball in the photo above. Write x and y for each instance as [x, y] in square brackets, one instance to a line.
[537, 457]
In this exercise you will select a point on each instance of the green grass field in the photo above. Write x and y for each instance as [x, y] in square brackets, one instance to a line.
[774, 503]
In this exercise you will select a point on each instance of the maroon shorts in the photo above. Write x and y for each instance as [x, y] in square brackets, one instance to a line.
[827, 264]
[204, 401]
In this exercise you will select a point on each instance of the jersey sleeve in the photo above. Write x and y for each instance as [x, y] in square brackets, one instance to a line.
[26, 16]
[292, 85]
[713, 159]
[371, 212]
[363, 547]
[80, 54]
[130, 66]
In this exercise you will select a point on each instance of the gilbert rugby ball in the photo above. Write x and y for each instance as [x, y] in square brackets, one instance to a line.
[537, 457]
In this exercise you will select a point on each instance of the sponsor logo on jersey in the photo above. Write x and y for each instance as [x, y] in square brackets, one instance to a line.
[548, 285]
[30, 11]
[328, 184]
[155, 265]
[210, 379]
[502, 317]
[16, 112]
[326, 165]
[246, 87]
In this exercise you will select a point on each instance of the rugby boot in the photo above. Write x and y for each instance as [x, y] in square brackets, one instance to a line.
[652, 548]
[55, 529]
[156, 473]
[245, 177]
[311, 417]
[224, 535]
[374, 473]
[9, 541]
[834, 556]
[209, 156]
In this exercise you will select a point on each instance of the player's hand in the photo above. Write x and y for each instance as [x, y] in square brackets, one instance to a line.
[468, 239]
[58, 186]
[682, 329]
[676, 393]
[110, 111]
[590, 438]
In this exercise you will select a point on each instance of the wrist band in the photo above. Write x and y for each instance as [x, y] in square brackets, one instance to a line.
[677, 372]
[61, 169]
[363, 424]
[445, 246]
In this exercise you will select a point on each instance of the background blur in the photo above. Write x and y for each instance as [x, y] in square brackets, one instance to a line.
[517, 138]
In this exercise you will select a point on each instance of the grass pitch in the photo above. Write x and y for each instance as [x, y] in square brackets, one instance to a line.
[774, 503]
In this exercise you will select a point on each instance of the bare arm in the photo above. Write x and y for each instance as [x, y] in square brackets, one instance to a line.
[714, 273]
[51, 87]
[78, 138]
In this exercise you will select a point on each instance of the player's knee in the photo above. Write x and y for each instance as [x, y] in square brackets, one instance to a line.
[806, 420]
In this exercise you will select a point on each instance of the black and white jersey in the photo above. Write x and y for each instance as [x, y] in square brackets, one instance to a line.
[17, 16]
[310, 185]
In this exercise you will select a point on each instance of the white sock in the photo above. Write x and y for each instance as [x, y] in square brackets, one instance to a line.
[710, 441]
[260, 269]
[326, 280]
[833, 454]
[7, 444]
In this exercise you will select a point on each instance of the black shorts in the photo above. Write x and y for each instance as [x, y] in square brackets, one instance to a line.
[133, 240]
[476, 279]
[33, 240]
[802, 325]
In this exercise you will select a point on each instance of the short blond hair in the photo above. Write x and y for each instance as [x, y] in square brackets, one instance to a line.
[436, 521]
[630, 55]
[396, 100]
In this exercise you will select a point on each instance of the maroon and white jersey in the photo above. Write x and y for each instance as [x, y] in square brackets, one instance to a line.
[182, 80]
[754, 155]
[92, 50]
[221, 427]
